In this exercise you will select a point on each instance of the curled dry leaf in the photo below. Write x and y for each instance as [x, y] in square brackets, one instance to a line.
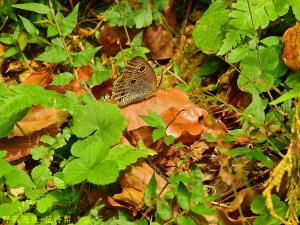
[41, 78]
[159, 103]
[19, 147]
[291, 48]
[184, 118]
[133, 185]
[38, 118]
[230, 214]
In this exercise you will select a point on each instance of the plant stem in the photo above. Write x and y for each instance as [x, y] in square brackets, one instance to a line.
[81, 82]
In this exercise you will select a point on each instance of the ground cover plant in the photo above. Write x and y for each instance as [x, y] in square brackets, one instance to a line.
[214, 141]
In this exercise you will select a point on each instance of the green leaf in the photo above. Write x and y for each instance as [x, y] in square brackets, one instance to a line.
[125, 155]
[7, 122]
[153, 119]
[100, 73]
[27, 219]
[203, 209]
[256, 110]
[163, 209]
[13, 208]
[16, 178]
[3, 154]
[11, 52]
[293, 80]
[150, 191]
[7, 38]
[102, 118]
[62, 79]
[83, 58]
[183, 196]
[271, 41]
[5, 167]
[40, 175]
[286, 96]
[137, 40]
[158, 7]
[258, 206]
[233, 38]
[34, 7]
[208, 34]
[237, 54]
[104, 173]
[30, 28]
[185, 220]
[120, 15]
[68, 23]
[168, 139]
[22, 41]
[296, 8]
[158, 134]
[76, 172]
[53, 55]
[252, 154]
[143, 18]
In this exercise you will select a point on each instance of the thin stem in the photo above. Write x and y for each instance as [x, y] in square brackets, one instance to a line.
[81, 82]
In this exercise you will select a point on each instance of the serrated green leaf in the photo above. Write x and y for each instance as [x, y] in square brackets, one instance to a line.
[13, 208]
[62, 79]
[40, 175]
[158, 7]
[137, 40]
[150, 191]
[104, 173]
[237, 54]
[258, 206]
[84, 57]
[75, 172]
[5, 167]
[208, 34]
[53, 55]
[100, 73]
[30, 28]
[256, 109]
[125, 155]
[158, 134]
[143, 18]
[153, 119]
[203, 209]
[68, 23]
[253, 154]
[7, 122]
[271, 41]
[183, 196]
[16, 178]
[296, 8]
[102, 118]
[34, 7]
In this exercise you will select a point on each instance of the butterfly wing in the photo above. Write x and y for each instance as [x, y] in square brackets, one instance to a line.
[137, 82]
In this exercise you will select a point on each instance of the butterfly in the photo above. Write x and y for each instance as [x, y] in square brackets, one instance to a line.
[137, 82]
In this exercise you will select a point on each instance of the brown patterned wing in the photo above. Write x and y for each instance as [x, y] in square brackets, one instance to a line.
[137, 83]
